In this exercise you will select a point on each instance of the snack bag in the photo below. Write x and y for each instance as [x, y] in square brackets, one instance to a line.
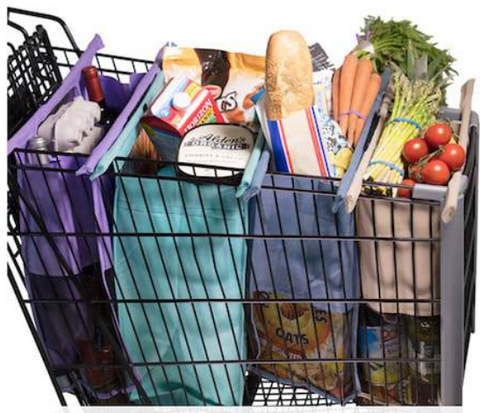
[290, 331]
[232, 78]
[301, 287]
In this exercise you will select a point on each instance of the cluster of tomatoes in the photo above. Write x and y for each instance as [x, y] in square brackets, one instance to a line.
[432, 159]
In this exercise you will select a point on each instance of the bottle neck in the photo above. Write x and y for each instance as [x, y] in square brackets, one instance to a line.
[94, 87]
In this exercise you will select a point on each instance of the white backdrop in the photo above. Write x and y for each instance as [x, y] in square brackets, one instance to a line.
[139, 28]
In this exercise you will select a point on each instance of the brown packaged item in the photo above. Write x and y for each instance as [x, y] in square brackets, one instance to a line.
[288, 75]
[232, 78]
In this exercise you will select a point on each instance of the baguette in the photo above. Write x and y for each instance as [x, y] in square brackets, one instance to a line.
[288, 75]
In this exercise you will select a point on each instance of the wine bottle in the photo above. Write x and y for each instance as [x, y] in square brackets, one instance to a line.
[95, 94]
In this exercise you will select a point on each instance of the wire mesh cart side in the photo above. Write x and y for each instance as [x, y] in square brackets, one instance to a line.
[36, 69]
[214, 298]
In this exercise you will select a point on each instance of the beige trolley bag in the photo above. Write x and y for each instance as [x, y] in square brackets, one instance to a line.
[415, 254]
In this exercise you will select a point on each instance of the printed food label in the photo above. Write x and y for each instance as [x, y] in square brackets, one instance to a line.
[377, 346]
[291, 331]
[424, 351]
[220, 145]
[164, 116]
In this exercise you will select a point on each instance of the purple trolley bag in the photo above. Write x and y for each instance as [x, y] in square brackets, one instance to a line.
[60, 212]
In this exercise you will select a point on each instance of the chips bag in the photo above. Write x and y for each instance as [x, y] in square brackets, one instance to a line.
[232, 78]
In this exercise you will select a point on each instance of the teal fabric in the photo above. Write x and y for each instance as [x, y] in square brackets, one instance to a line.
[166, 267]
[126, 139]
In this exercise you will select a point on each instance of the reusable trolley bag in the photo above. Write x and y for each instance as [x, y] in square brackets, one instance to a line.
[295, 267]
[161, 265]
[53, 199]
[407, 271]
[302, 252]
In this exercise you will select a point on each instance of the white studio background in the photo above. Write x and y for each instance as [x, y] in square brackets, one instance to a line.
[139, 28]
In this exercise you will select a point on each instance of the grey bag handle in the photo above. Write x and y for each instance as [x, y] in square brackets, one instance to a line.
[455, 184]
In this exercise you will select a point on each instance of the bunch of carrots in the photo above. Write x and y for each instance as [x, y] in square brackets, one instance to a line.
[355, 87]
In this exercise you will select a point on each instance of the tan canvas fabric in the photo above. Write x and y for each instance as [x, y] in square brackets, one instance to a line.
[414, 263]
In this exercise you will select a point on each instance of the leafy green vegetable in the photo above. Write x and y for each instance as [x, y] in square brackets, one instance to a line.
[401, 44]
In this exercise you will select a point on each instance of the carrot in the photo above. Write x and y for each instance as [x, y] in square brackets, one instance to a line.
[372, 91]
[349, 70]
[335, 93]
[362, 78]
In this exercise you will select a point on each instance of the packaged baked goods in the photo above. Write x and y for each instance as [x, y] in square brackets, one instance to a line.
[294, 113]
[231, 78]
[288, 75]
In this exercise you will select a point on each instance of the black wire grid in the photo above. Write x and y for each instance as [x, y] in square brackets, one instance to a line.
[276, 373]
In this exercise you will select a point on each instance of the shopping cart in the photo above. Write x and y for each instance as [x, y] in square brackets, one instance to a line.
[269, 338]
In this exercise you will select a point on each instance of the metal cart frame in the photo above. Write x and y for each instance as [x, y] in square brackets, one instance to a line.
[458, 239]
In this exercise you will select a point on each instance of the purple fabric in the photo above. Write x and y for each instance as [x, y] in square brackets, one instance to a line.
[66, 202]
[102, 189]
[69, 84]
[135, 79]
[120, 122]
[63, 203]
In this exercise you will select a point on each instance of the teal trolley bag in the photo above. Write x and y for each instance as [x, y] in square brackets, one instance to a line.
[180, 258]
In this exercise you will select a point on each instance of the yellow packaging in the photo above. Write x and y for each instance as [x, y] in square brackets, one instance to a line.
[288, 331]
[232, 78]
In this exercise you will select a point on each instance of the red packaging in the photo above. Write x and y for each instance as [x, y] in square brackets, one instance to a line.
[182, 105]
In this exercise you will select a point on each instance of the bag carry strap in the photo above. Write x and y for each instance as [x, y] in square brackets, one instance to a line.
[353, 191]
[117, 127]
[138, 99]
[455, 184]
[20, 139]
[353, 171]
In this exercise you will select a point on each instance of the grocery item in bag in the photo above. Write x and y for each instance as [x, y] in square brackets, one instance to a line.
[220, 145]
[294, 332]
[288, 75]
[423, 338]
[180, 106]
[303, 139]
[232, 78]
[380, 337]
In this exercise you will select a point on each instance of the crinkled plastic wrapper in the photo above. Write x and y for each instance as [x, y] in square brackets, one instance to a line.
[293, 332]
[232, 78]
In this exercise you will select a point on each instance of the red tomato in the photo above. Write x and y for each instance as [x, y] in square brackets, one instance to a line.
[453, 155]
[414, 150]
[436, 172]
[405, 192]
[438, 135]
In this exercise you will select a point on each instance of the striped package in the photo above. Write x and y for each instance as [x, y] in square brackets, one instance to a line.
[298, 145]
